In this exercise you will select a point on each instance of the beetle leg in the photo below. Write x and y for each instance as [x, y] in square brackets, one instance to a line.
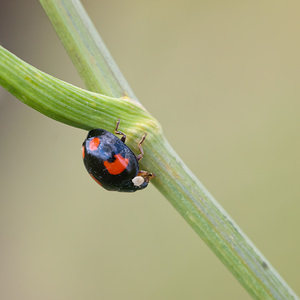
[147, 176]
[140, 156]
[123, 138]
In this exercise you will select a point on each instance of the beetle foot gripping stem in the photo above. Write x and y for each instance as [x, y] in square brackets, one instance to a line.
[146, 175]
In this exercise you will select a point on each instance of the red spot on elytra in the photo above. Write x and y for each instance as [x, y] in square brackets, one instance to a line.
[118, 166]
[94, 143]
[83, 152]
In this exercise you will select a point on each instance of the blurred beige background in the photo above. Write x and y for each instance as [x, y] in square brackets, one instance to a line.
[229, 72]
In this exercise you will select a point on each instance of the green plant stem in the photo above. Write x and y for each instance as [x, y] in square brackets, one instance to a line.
[76, 107]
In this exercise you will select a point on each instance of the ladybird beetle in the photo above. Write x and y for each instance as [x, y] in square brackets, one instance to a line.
[111, 163]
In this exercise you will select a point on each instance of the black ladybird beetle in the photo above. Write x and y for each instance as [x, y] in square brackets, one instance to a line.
[111, 163]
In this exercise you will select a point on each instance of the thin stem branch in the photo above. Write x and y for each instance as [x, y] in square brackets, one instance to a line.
[65, 102]
[86, 48]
